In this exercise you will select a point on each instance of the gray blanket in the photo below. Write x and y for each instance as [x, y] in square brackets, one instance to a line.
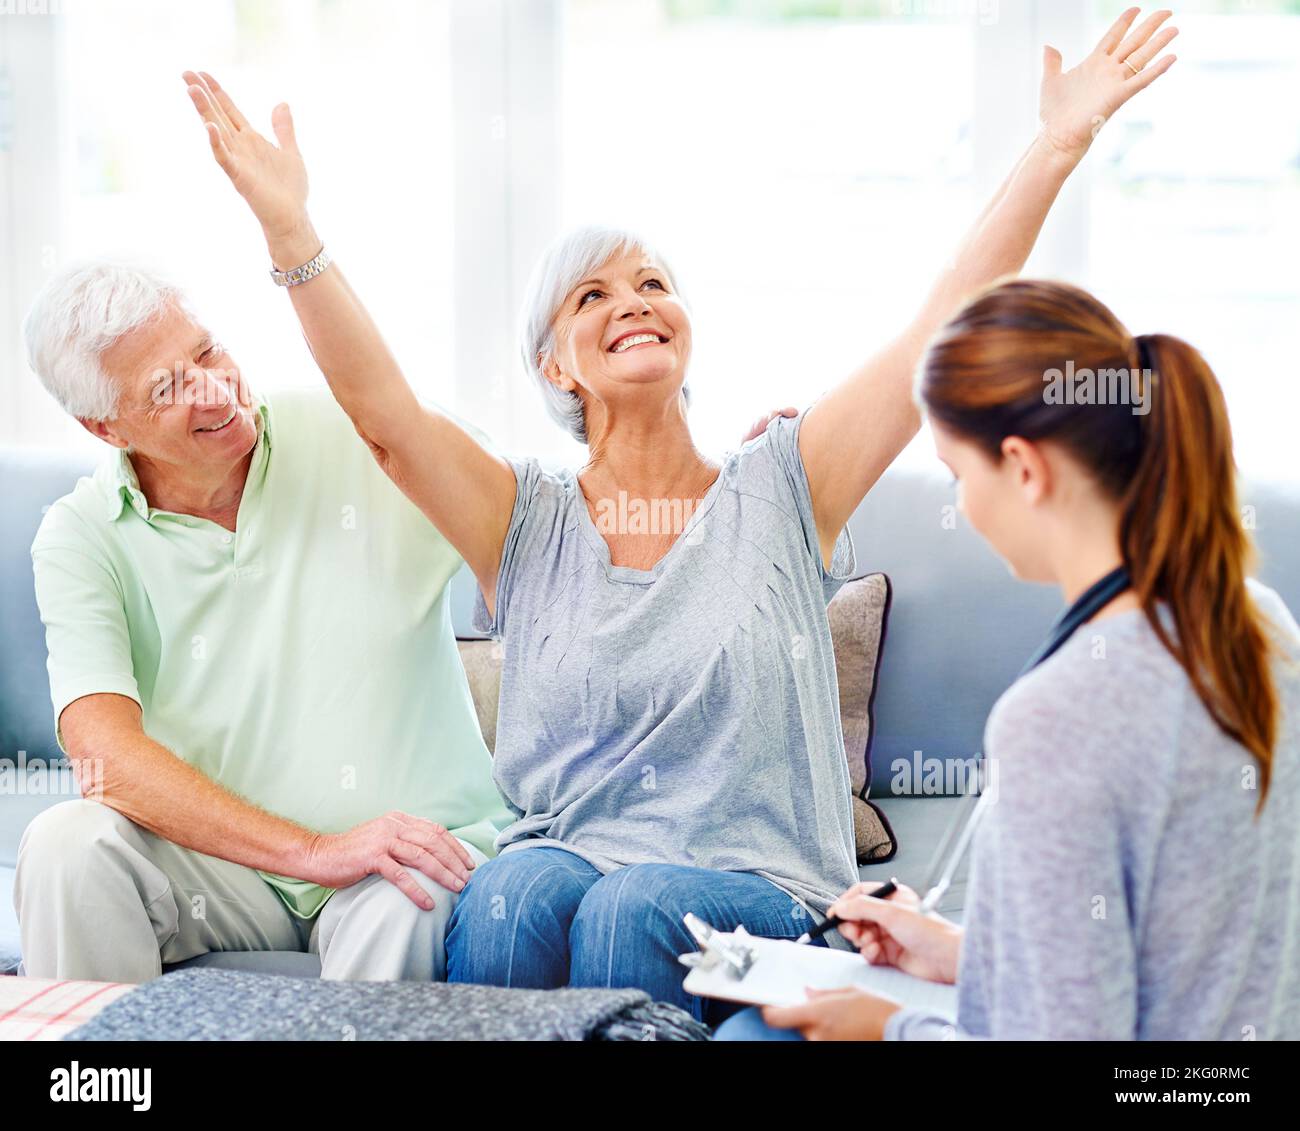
[223, 1005]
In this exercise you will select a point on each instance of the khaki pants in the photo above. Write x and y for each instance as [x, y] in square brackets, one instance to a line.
[100, 898]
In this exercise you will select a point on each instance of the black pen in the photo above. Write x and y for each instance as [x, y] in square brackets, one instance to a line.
[833, 921]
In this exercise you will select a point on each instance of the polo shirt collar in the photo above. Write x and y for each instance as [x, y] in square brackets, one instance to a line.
[124, 485]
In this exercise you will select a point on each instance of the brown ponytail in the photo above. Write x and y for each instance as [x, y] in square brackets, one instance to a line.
[1170, 467]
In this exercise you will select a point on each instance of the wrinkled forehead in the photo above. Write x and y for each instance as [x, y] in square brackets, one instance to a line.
[173, 335]
[622, 264]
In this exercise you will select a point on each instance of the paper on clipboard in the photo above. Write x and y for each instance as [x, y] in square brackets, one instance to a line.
[783, 970]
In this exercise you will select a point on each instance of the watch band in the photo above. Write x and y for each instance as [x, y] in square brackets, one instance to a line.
[297, 275]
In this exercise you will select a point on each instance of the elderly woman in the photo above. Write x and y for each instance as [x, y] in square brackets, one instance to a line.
[669, 737]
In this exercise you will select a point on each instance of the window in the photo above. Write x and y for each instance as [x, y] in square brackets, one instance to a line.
[806, 164]
[1195, 215]
[372, 105]
[796, 168]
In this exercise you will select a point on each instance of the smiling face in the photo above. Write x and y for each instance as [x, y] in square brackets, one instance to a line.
[619, 334]
[182, 403]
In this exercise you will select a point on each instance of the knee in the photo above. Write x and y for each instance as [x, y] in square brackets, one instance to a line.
[393, 911]
[386, 907]
[485, 890]
[64, 839]
[517, 891]
[642, 901]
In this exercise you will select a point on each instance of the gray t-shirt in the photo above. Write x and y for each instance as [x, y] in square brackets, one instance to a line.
[1121, 885]
[687, 714]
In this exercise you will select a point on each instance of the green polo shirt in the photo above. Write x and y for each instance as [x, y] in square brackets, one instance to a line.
[306, 661]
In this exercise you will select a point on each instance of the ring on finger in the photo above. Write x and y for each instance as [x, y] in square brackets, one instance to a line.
[1135, 70]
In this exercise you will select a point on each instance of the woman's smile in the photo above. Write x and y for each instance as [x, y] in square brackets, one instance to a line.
[637, 340]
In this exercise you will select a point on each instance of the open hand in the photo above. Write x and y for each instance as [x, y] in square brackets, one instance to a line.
[1073, 105]
[388, 846]
[272, 178]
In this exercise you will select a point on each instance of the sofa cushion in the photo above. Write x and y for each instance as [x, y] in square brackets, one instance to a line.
[33, 480]
[874, 839]
[286, 963]
[858, 616]
[482, 663]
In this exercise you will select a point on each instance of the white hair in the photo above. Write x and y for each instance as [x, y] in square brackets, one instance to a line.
[569, 260]
[78, 315]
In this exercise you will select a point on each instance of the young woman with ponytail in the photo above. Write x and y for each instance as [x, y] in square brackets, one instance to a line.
[1138, 872]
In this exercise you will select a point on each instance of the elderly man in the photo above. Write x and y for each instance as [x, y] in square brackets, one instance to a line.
[252, 665]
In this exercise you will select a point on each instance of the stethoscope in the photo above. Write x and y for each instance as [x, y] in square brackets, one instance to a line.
[957, 839]
[1089, 603]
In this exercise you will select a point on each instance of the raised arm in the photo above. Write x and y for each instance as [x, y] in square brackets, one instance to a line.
[465, 490]
[854, 432]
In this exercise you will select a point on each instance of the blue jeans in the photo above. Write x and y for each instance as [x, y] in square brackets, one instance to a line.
[748, 1025]
[544, 918]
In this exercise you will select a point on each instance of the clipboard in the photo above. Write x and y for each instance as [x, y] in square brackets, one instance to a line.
[737, 966]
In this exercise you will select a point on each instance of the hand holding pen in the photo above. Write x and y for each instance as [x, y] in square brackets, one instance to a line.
[892, 926]
[899, 931]
[877, 891]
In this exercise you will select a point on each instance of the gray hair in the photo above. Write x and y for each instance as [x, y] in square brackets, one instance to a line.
[569, 260]
[78, 315]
